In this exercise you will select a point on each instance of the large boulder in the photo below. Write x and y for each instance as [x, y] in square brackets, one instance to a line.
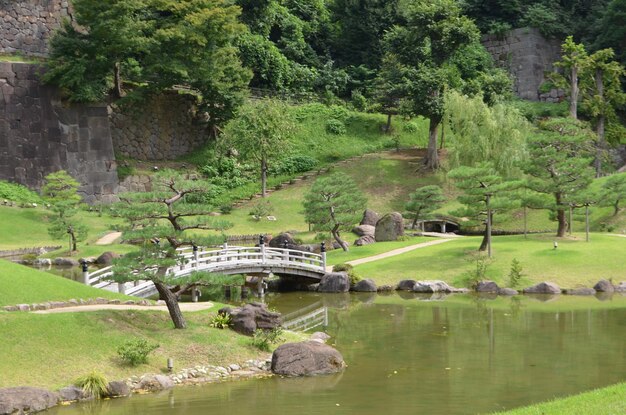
[369, 218]
[543, 288]
[580, 291]
[334, 282]
[117, 389]
[65, 262]
[106, 258]
[431, 287]
[406, 285]
[306, 359]
[604, 286]
[621, 287]
[279, 241]
[252, 316]
[363, 230]
[507, 291]
[487, 287]
[389, 228]
[365, 240]
[153, 383]
[25, 399]
[365, 286]
[73, 393]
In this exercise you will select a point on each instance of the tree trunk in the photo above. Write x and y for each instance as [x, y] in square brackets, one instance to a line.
[342, 243]
[485, 241]
[118, 81]
[573, 105]
[600, 126]
[263, 177]
[414, 222]
[560, 216]
[443, 136]
[73, 245]
[616, 207]
[432, 158]
[172, 305]
[388, 126]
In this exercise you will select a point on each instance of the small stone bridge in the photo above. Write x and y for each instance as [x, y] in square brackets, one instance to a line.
[226, 260]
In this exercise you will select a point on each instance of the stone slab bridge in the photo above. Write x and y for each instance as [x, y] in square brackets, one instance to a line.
[227, 260]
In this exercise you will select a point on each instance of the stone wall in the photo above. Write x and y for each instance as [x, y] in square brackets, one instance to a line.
[527, 55]
[26, 26]
[166, 128]
[39, 135]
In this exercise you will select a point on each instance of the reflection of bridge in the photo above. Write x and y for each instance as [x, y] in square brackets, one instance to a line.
[227, 260]
[306, 318]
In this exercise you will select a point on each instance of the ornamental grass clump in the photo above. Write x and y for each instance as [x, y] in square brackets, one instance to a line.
[93, 384]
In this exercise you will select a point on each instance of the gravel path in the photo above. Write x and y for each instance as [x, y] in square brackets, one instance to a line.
[109, 238]
[96, 307]
[394, 252]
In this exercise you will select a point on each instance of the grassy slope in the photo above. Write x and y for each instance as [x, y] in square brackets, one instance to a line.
[574, 263]
[605, 401]
[20, 284]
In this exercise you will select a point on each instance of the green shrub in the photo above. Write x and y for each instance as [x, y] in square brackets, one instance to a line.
[261, 209]
[410, 127]
[335, 126]
[220, 321]
[263, 339]
[500, 29]
[93, 384]
[135, 352]
[123, 171]
[471, 278]
[17, 193]
[348, 269]
[516, 276]
[294, 164]
[226, 209]
[358, 101]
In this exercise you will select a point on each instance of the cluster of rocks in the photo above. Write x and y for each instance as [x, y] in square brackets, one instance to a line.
[105, 259]
[72, 303]
[374, 228]
[210, 373]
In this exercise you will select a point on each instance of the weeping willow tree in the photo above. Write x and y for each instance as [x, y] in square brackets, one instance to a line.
[481, 133]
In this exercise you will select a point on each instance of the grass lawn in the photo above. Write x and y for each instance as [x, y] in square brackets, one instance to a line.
[23, 285]
[574, 263]
[606, 401]
[338, 256]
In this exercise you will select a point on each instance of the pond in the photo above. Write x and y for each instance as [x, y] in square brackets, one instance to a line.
[412, 354]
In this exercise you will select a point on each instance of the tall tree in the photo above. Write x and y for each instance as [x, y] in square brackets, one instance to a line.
[432, 32]
[162, 219]
[262, 131]
[485, 193]
[334, 204]
[610, 30]
[60, 191]
[559, 163]
[602, 94]
[389, 87]
[574, 60]
[154, 44]
[423, 201]
[614, 192]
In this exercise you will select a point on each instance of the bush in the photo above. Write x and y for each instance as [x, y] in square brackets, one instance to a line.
[261, 209]
[292, 165]
[410, 127]
[220, 321]
[472, 277]
[226, 209]
[358, 101]
[17, 193]
[516, 277]
[348, 269]
[93, 384]
[335, 126]
[263, 339]
[135, 352]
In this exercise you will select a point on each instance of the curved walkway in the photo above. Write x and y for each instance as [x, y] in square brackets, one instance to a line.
[394, 252]
[97, 307]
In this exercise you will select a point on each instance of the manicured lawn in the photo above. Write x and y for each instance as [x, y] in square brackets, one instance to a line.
[338, 256]
[23, 285]
[606, 401]
[574, 263]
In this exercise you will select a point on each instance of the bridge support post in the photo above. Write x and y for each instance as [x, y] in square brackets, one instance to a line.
[195, 255]
[262, 246]
[121, 288]
[85, 273]
[195, 294]
[323, 252]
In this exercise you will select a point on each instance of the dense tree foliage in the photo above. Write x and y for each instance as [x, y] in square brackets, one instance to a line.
[422, 202]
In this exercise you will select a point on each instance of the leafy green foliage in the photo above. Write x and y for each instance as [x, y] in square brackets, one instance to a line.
[334, 203]
[298, 163]
[335, 126]
[60, 191]
[219, 321]
[349, 269]
[261, 209]
[135, 352]
[423, 201]
[263, 339]
[93, 384]
[544, 18]
[516, 275]
[614, 192]
[17, 193]
[480, 263]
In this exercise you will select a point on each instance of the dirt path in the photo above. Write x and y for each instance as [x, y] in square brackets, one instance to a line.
[97, 307]
[109, 238]
[394, 252]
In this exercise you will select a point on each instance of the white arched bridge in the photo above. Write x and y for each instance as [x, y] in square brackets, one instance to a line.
[226, 260]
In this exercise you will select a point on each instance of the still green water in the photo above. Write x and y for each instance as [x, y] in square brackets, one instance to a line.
[414, 355]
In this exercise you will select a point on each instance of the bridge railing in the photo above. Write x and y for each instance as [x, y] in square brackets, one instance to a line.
[214, 260]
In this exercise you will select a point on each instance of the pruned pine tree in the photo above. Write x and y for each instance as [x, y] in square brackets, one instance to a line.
[559, 163]
[164, 221]
[484, 191]
[422, 202]
[574, 60]
[334, 204]
[60, 191]
[614, 192]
